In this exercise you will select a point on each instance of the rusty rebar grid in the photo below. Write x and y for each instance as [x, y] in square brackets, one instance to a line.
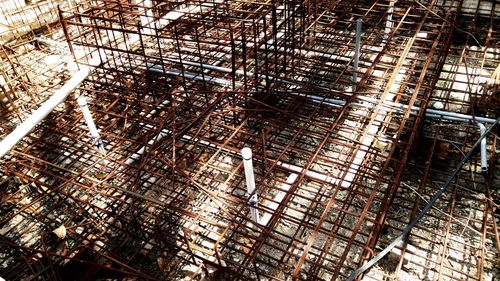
[185, 86]
[453, 242]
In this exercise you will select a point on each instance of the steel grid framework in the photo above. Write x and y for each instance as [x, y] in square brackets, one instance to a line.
[182, 88]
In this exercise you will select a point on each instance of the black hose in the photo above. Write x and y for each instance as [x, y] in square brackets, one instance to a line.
[433, 200]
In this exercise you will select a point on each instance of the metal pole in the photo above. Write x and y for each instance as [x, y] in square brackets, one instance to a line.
[359, 23]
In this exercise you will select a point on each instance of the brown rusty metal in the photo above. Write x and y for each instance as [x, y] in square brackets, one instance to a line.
[185, 86]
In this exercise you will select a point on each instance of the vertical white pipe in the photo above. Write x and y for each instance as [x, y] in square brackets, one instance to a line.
[90, 124]
[389, 23]
[484, 152]
[359, 23]
[246, 153]
[45, 109]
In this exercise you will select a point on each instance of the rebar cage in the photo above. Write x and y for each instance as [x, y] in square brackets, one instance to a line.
[343, 156]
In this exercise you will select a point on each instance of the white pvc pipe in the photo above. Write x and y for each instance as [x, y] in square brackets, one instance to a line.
[389, 23]
[278, 198]
[390, 105]
[431, 113]
[246, 154]
[357, 50]
[141, 151]
[90, 124]
[88, 117]
[484, 152]
[60, 95]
